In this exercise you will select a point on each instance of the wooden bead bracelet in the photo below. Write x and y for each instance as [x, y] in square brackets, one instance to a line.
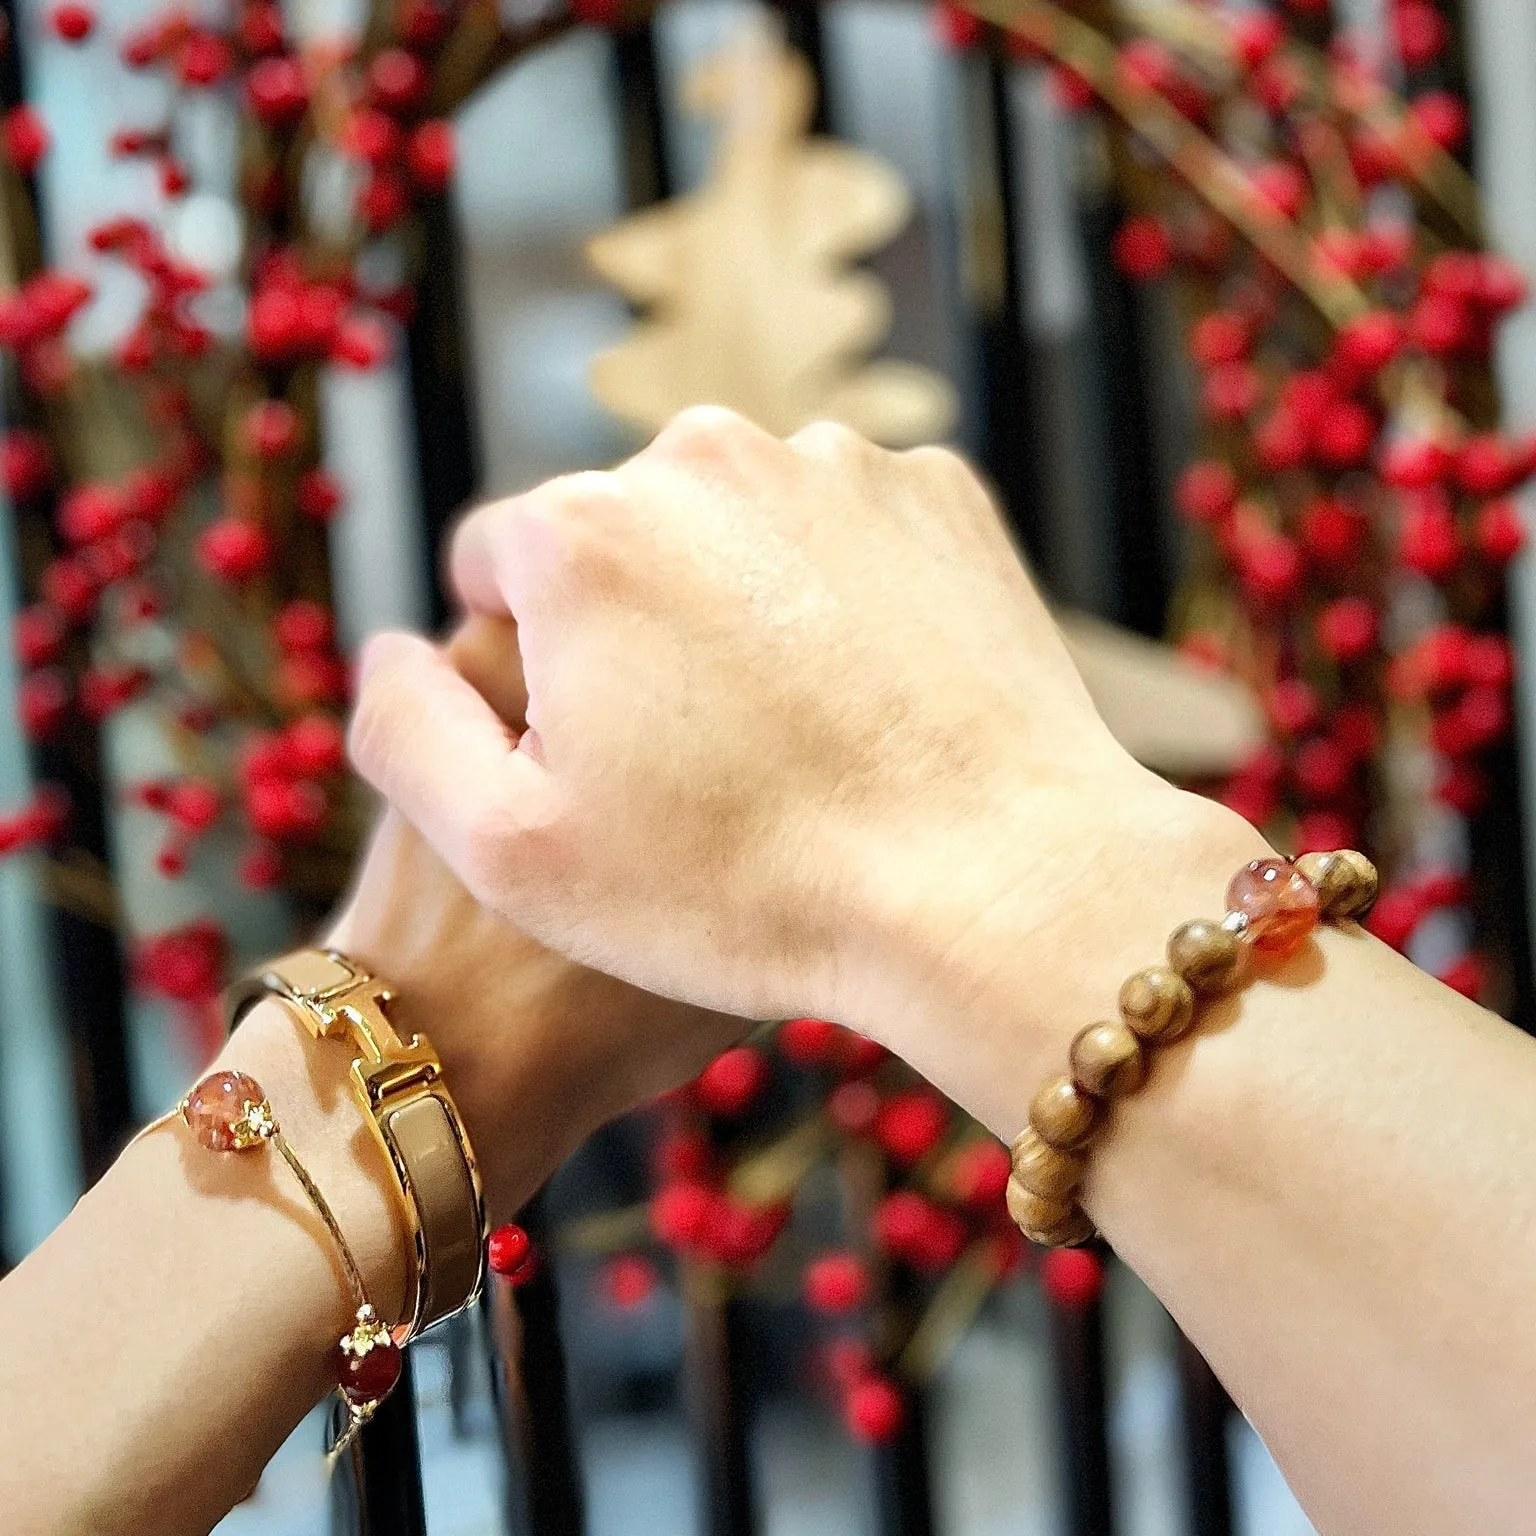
[1274, 905]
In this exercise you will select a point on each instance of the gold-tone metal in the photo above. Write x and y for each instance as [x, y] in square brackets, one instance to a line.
[399, 1085]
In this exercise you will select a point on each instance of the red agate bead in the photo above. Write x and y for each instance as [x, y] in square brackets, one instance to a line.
[1280, 903]
[217, 1110]
[368, 1377]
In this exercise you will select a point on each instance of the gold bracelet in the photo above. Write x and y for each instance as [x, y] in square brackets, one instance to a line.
[1273, 907]
[228, 1111]
[399, 1086]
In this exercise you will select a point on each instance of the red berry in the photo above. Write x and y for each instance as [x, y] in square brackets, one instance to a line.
[629, 1281]
[910, 1227]
[261, 27]
[42, 702]
[234, 550]
[171, 860]
[24, 137]
[1346, 628]
[1499, 531]
[1282, 186]
[321, 308]
[303, 625]
[1441, 117]
[25, 463]
[1467, 975]
[203, 59]
[1397, 913]
[955, 27]
[1222, 336]
[1231, 392]
[980, 1172]
[852, 1107]
[808, 1042]
[277, 90]
[836, 1283]
[1142, 248]
[1280, 442]
[106, 689]
[1464, 787]
[397, 80]
[91, 512]
[1322, 768]
[37, 633]
[371, 135]
[911, 1124]
[424, 24]
[1072, 92]
[1486, 467]
[1323, 831]
[1332, 531]
[1427, 538]
[874, 1410]
[1414, 463]
[195, 804]
[1270, 567]
[1357, 730]
[1256, 35]
[1440, 325]
[282, 810]
[71, 587]
[1072, 1277]
[1365, 346]
[261, 867]
[1308, 396]
[1293, 706]
[431, 155]
[362, 341]
[273, 323]
[1421, 32]
[508, 1250]
[271, 429]
[383, 201]
[730, 1084]
[681, 1213]
[1345, 436]
[1489, 661]
[318, 494]
[1501, 284]
[72, 21]
[316, 745]
[1207, 491]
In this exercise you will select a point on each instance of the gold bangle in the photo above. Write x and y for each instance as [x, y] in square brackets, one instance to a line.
[399, 1086]
[229, 1112]
[1273, 907]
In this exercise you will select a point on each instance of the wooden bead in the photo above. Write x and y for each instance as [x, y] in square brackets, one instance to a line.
[1106, 1061]
[1053, 1223]
[1345, 880]
[1157, 1004]
[1062, 1114]
[1205, 954]
[1043, 1169]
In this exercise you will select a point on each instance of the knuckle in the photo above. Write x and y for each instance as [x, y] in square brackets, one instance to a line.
[829, 440]
[711, 433]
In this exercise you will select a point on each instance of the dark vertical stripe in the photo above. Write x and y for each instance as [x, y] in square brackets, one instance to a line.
[1206, 1410]
[716, 1389]
[1077, 1359]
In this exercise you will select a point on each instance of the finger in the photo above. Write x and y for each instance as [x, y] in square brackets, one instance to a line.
[475, 559]
[432, 746]
[486, 653]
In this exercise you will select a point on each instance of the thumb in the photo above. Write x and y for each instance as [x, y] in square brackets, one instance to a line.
[431, 745]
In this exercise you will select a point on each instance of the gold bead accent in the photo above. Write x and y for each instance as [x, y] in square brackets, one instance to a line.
[1157, 1004]
[1062, 1114]
[1205, 954]
[1346, 882]
[1043, 1169]
[1106, 1060]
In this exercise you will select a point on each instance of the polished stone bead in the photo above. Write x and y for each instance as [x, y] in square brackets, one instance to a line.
[1107, 1061]
[1280, 903]
[1157, 1004]
[1062, 1114]
[1346, 882]
[1205, 955]
[1043, 1169]
[368, 1377]
[218, 1110]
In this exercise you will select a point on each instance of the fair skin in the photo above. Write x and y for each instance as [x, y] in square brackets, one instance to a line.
[801, 738]
[125, 1416]
[784, 728]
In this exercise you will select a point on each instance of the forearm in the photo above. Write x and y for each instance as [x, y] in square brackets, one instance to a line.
[1327, 1183]
[175, 1327]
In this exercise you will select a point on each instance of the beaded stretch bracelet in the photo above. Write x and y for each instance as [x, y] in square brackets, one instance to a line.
[228, 1112]
[1274, 905]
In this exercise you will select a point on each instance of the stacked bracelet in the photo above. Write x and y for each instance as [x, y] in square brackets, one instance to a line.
[228, 1112]
[1273, 907]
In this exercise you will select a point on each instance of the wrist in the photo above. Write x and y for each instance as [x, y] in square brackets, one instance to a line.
[982, 953]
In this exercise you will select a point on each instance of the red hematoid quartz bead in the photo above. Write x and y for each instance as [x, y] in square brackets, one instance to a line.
[1279, 902]
[369, 1377]
[218, 1105]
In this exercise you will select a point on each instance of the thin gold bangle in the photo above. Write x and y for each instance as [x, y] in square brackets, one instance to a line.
[228, 1112]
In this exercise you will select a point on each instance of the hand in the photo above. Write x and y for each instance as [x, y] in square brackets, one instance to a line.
[513, 1023]
[792, 708]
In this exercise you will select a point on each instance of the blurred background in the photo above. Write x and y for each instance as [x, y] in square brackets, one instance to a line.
[1226, 301]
